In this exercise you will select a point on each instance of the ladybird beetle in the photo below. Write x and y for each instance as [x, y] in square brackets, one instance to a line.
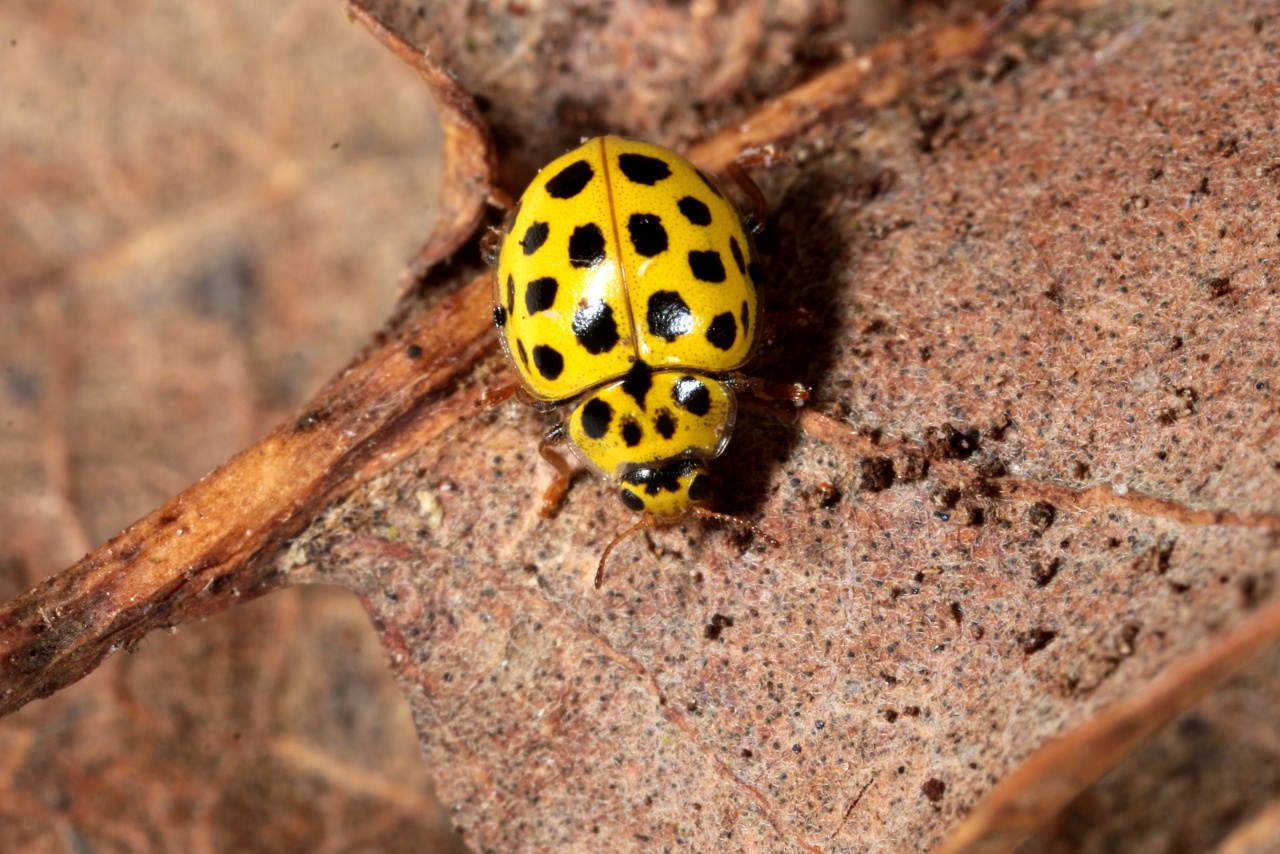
[626, 285]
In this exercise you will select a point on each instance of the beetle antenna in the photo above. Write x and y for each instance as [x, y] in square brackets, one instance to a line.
[646, 521]
[703, 513]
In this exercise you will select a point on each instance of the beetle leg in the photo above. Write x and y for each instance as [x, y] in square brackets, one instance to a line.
[795, 393]
[553, 497]
[737, 171]
[759, 204]
[500, 199]
[491, 397]
[491, 240]
[491, 245]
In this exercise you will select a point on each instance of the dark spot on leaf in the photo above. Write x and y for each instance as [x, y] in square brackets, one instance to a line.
[877, 474]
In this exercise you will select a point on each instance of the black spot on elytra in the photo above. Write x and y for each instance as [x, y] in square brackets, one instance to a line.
[548, 361]
[700, 488]
[586, 246]
[524, 357]
[570, 180]
[647, 234]
[694, 211]
[596, 415]
[631, 433]
[540, 294]
[595, 328]
[711, 185]
[665, 425]
[511, 294]
[499, 316]
[756, 274]
[656, 480]
[736, 251]
[723, 331]
[706, 266]
[637, 382]
[534, 236]
[692, 395]
[643, 169]
[669, 316]
[746, 318]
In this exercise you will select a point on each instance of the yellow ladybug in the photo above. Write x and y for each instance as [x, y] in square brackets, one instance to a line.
[627, 286]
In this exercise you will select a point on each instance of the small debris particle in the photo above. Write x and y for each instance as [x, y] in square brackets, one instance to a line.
[1043, 573]
[934, 789]
[946, 499]
[718, 623]
[1217, 286]
[877, 474]
[912, 468]
[948, 443]
[430, 508]
[1035, 640]
[993, 467]
[828, 494]
[1042, 514]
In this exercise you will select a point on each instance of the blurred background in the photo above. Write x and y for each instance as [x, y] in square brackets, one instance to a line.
[204, 213]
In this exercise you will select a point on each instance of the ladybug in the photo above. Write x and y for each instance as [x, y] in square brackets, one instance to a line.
[627, 289]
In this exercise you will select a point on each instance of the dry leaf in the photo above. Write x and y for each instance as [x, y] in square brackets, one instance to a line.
[1039, 472]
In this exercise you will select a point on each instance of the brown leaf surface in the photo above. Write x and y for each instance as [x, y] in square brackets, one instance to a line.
[1052, 343]
[1041, 470]
[190, 246]
[549, 73]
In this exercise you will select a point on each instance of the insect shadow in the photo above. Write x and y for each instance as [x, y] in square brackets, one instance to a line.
[806, 252]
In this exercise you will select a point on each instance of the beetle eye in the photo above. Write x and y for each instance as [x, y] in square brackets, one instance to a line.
[634, 502]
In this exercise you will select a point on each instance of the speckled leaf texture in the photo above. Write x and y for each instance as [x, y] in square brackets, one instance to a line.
[1026, 260]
